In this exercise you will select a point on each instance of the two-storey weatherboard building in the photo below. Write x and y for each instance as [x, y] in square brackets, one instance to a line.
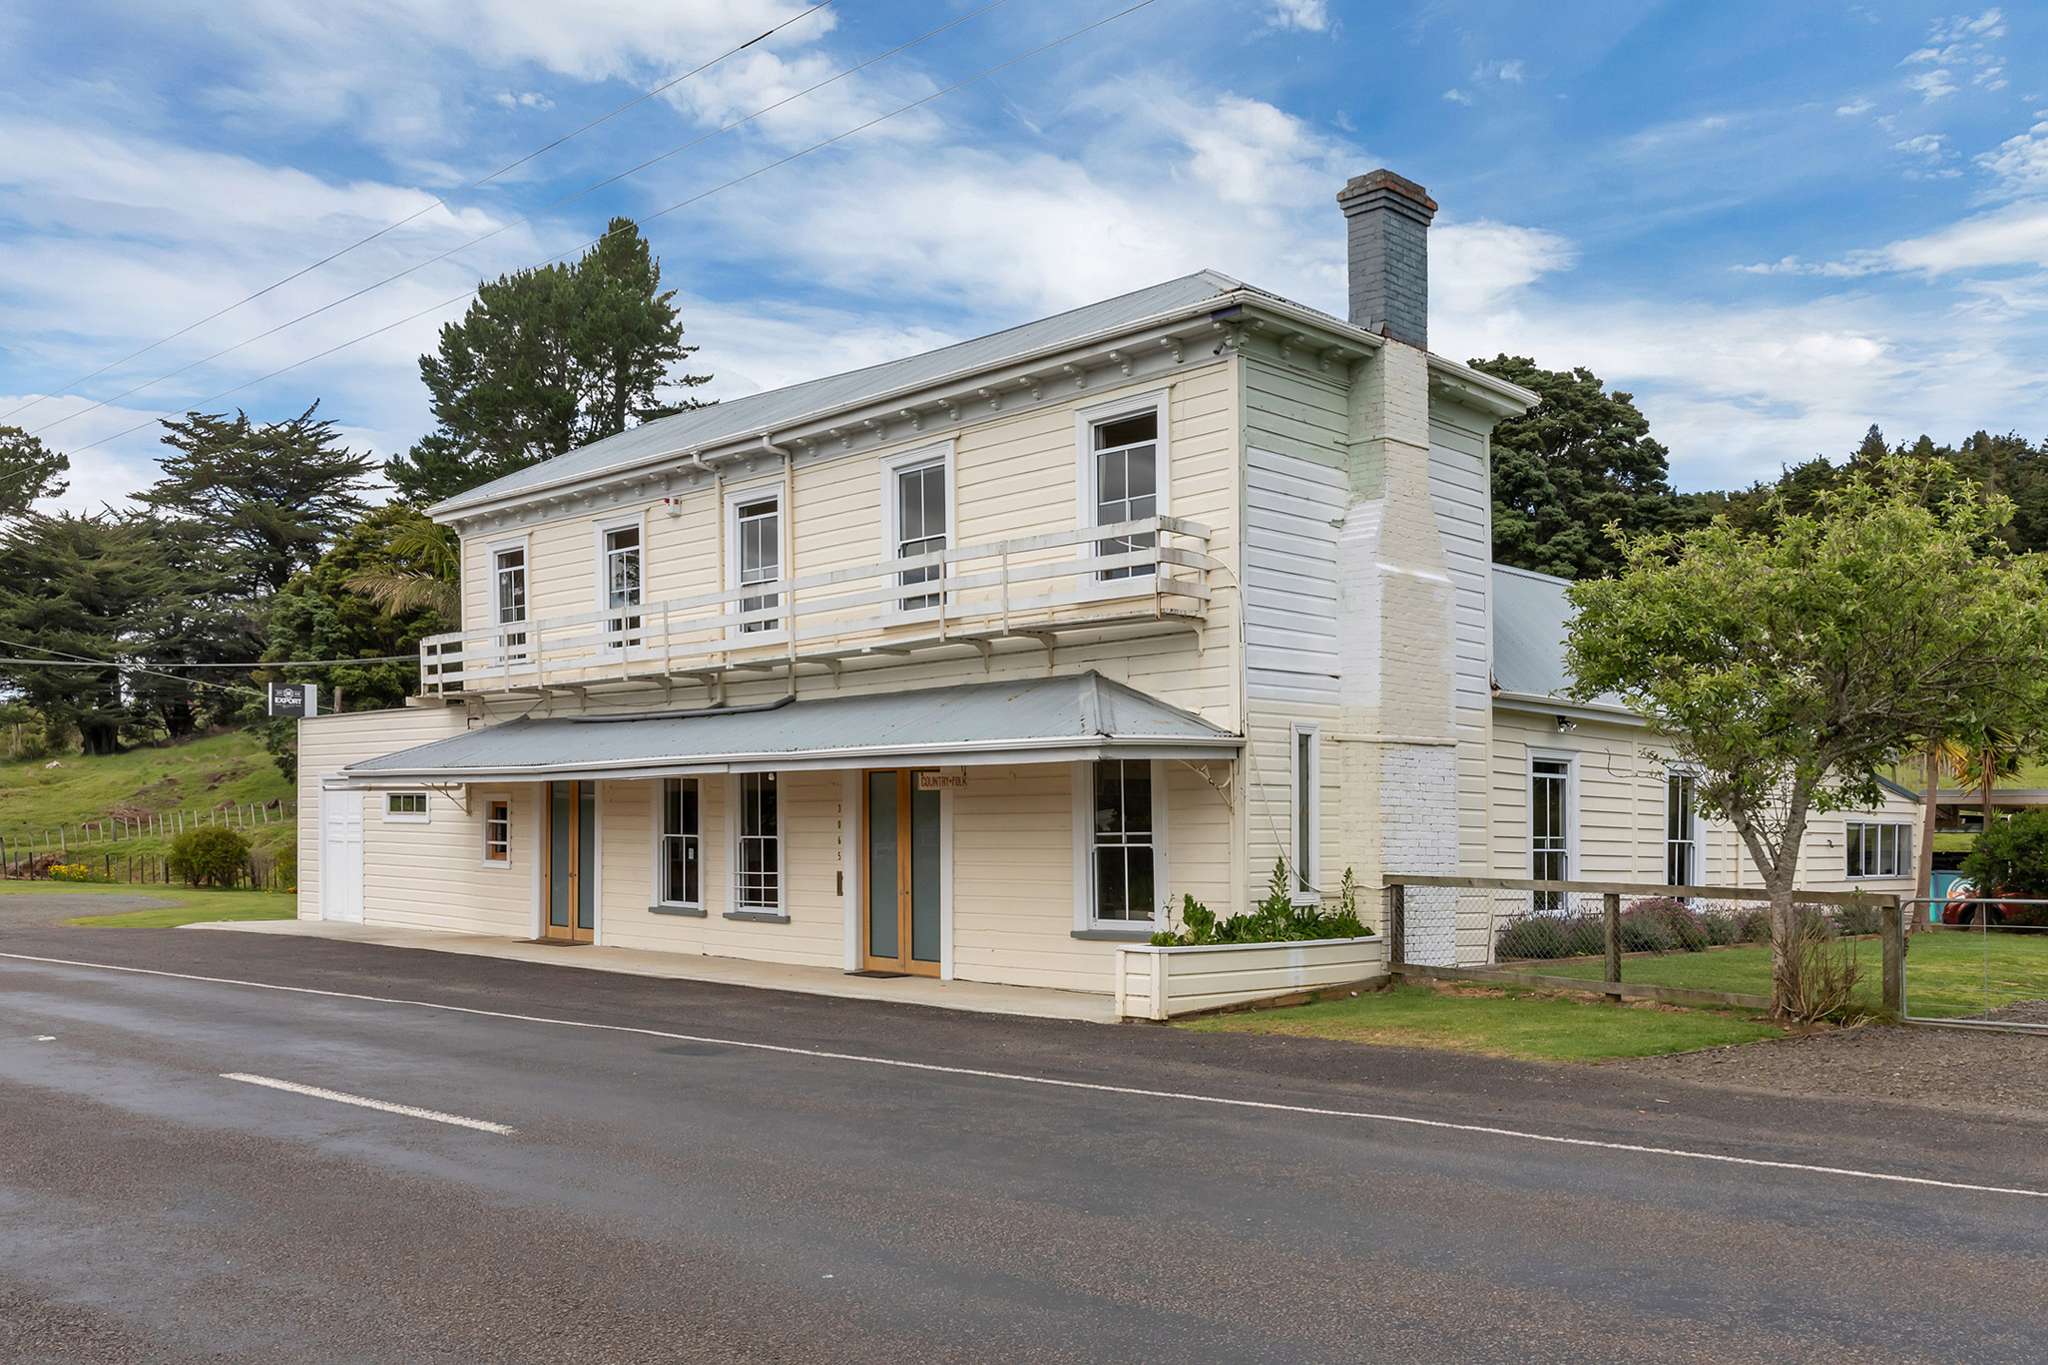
[972, 663]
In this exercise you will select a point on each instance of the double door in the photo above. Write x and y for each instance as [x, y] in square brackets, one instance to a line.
[900, 890]
[569, 878]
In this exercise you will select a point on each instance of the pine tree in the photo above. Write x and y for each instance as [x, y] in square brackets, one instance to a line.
[545, 361]
[28, 471]
[273, 494]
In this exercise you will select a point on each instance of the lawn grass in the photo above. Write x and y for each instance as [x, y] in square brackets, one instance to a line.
[1499, 1022]
[1950, 973]
[183, 904]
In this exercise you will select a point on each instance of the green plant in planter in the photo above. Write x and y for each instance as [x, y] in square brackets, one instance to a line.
[1275, 919]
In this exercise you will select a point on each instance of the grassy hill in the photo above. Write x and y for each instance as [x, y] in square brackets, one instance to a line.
[195, 776]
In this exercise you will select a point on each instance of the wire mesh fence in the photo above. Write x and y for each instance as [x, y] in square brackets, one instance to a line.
[1704, 940]
[1980, 961]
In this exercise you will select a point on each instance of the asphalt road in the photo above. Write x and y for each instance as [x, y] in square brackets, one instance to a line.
[709, 1173]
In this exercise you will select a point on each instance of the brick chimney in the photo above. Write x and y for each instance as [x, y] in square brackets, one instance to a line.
[1388, 219]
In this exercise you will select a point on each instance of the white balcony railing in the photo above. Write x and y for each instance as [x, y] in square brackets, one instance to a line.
[1150, 569]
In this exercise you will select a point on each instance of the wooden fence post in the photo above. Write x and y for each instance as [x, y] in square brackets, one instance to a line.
[1895, 959]
[1397, 926]
[1610, 919]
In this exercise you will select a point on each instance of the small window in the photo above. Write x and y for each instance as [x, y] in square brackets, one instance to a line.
[1125, 467]
[1307, 811]
[681, 850]
[1878, 850]
[622, 566]
[757, 553]
[758, 879]
[497, 830]
[1681, 829]
[405, 807]
[1122, 857]
[1550, 841]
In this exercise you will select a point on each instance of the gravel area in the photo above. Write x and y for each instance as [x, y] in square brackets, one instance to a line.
[2002, 1075]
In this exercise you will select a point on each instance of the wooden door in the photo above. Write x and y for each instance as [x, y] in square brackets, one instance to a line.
[569, 863]
[900, 875]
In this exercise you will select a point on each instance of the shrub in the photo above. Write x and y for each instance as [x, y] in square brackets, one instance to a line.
[2010, 857]
[1860, 916]
[1660, 924]
[1275, 919]
[1819, 977]
[1720, 927]
[1539, 936]
[209, 857]
[75, 872]
[1753, 926]
[286, 866]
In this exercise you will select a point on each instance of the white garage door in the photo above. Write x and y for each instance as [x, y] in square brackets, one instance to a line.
[341, 854]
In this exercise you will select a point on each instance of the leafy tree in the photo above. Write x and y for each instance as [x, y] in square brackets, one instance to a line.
[73, 586]
[272, 494]
[545, 361]
[28, 471]
[421, 571]
[2010, 857]
[1791, 666]
[199, 617]
[1581, 459]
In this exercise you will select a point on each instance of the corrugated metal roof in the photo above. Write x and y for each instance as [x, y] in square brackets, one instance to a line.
[1083, 711]
[781, 407]
[1530, 615]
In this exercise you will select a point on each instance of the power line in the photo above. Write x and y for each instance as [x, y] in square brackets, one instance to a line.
[508, 167]
[509, 224]
[81, 661]
[116, 664]
[645, 218]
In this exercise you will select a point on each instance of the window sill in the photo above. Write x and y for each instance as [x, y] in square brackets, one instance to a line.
[758, 916]
[687, 911]
[1115, 935]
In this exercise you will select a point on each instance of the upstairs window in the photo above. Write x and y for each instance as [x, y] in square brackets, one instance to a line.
[1126, 484]
[622, 583]
[757, 557]
[919, 509]
[508, 578]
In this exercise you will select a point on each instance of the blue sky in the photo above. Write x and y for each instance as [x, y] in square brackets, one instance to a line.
[1775, 224]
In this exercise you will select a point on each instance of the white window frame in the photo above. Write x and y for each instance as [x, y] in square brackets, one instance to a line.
[1085, 421]
[600, 532]
[1307, 878]
[424, 815]
[736, 815]
[1900, 838]
[1085, 920]
[734, 500]
[662, 836]
[893, 467]
[1692, 835]
[1571, 810]
[487, 800]
[522, 652]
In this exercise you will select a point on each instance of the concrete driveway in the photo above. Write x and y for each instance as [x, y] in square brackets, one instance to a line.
[332, 1150]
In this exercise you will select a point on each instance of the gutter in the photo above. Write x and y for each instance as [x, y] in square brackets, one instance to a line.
[1540, 703]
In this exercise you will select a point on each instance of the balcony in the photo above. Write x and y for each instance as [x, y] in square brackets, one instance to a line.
[1134, 577]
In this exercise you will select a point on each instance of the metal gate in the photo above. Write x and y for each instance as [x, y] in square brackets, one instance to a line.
[1978, 962]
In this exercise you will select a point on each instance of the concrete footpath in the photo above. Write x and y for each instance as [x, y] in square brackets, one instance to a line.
[973, 996]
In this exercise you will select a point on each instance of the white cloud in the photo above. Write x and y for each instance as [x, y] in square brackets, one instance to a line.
[522, 99]
[2020, 162]
[1855, 107]
[1457, 96]
[1509, 72]
[1311, 16]
[1933, 85]
[1960, 45]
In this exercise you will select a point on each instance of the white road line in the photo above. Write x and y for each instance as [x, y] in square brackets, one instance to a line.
[1053, 1082]
[364, 1102]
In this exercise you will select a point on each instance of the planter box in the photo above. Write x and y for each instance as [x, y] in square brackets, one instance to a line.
[1159, 983]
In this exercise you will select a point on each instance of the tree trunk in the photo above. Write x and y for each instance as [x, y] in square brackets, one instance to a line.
[1779, 865]
[1987, 783]
[1930, 809]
